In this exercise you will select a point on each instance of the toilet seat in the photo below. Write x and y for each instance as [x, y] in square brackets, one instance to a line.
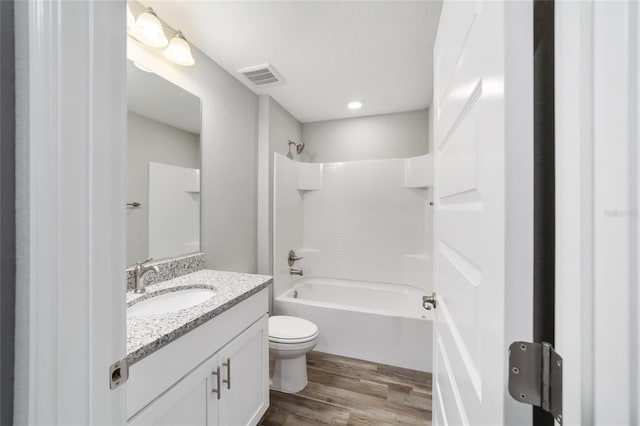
[291, 330]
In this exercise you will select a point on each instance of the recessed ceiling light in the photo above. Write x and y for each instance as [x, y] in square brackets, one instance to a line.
[354, 105]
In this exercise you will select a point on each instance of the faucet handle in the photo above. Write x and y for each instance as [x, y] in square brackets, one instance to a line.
[140, 264]
[293, 258]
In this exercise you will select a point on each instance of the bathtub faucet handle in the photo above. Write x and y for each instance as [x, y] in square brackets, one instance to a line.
[429, 302]
[293, 258]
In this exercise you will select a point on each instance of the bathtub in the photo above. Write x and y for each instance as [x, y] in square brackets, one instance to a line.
[384, 323]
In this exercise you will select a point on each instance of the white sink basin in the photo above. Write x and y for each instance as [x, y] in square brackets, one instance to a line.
[171, 302]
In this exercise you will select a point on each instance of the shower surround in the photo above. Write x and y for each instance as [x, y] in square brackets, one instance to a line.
[360, 221]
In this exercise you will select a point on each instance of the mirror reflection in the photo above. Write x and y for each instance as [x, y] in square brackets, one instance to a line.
[163, 168]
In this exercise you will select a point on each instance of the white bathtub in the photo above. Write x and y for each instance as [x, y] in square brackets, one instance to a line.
[384, 323]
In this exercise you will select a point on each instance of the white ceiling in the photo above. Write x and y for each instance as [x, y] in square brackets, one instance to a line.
[328, 52]
[156, 98]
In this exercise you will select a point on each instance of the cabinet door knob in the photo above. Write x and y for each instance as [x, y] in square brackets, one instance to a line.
[228, 380]
[217, 389]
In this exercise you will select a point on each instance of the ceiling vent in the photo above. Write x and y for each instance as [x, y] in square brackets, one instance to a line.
[261, 75]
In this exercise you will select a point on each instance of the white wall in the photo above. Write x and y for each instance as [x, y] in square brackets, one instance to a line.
[365, 225]
[353, 220]
[229, 156]
[282, 127]
[399, 135]
[149, 140]
[277, 126]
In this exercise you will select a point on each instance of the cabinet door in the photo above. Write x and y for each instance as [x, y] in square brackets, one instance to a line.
[244, 366]
[190, 402]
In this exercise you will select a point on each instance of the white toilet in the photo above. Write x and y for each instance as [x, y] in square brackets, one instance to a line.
[290, 338]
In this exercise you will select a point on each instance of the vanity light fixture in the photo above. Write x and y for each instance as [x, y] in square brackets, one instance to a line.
[148, 29]
[354, 105]
[178, 50]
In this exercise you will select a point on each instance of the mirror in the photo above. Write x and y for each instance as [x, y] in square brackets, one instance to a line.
[163, 168]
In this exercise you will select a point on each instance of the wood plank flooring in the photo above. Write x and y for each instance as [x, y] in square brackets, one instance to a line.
[352, 392]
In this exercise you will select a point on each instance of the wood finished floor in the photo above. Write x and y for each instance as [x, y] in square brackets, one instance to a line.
[347, 391]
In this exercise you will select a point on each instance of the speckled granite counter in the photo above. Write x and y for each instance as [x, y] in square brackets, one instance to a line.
[146, 334]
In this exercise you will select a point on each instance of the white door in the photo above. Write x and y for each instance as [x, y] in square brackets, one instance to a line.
[70, 151]
[483, 197]
[245, 371]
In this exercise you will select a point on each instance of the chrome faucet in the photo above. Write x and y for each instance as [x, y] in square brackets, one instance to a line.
[296, 272]
[140, 271]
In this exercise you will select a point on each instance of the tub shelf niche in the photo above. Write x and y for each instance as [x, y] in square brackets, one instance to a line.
[418, 172]
[309, 176]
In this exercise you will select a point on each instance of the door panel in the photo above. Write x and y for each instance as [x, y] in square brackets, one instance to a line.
[458, 156]
[246, 398]
[188, 410]
[461, 295]
[469, 247]
[453, 30]
[190, 402]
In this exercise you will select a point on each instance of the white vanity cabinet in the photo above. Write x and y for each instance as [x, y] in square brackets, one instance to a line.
[217, 374]
[189, 402]
[244, 396]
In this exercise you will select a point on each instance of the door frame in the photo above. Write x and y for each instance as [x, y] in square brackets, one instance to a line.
[597, 201]
[7, 210]
[70, 198]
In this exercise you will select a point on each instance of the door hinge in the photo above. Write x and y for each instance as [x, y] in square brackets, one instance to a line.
[118, 373]
[535, 376]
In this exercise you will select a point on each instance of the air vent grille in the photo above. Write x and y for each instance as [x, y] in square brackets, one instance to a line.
[261, 75]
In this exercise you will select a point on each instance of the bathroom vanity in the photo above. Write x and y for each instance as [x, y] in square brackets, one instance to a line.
[206, 364]
[197, 339]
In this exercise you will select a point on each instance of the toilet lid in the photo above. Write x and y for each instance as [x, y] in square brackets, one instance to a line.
[285, 328]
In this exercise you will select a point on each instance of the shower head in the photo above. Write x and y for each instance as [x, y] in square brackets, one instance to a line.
[299, 146]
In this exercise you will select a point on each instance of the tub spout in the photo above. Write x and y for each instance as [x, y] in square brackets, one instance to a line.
[296, 272]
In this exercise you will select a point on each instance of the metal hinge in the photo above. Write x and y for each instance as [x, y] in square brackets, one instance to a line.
[118, 373]
[535, 376]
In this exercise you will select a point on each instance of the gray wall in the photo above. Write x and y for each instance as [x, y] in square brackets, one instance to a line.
[277, 126]
[149, 140]
[282, 127]
[229, 156]
[397, 135]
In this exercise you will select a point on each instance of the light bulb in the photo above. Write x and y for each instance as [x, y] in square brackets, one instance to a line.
[148, 29]
[178, 51]
[354, 105]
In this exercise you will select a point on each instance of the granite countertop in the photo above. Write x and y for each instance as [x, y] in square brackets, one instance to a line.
[146, 334]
